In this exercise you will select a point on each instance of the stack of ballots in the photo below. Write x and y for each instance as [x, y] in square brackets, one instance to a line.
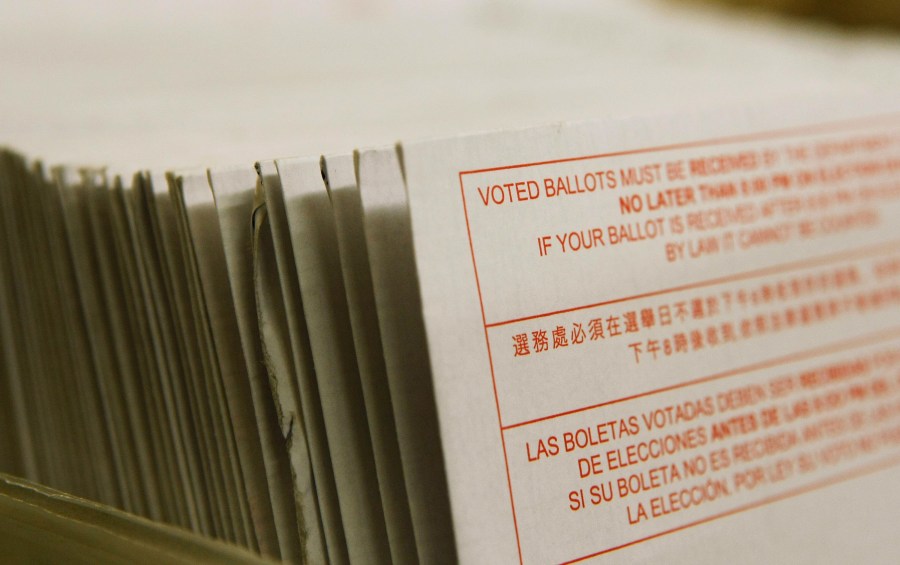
[664, 327]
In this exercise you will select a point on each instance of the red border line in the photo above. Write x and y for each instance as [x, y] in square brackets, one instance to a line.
[871, 339]
[487, 342]
[831, 481]
[878, 249]
[769, 134]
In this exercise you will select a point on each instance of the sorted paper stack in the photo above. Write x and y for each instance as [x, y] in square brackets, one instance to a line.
[668, 337]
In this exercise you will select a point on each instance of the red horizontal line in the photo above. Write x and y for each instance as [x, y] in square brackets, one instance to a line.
[770, 134]
[878, 249]
[855, 474]
[876, 337]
